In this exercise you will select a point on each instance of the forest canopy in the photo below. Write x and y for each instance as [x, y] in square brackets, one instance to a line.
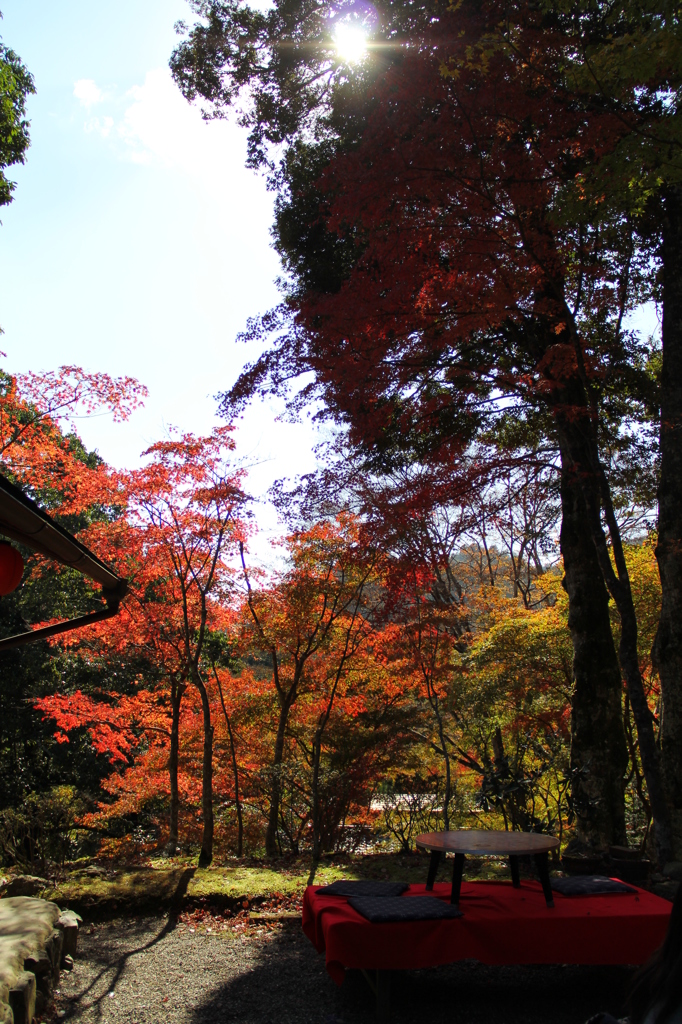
[475, 615]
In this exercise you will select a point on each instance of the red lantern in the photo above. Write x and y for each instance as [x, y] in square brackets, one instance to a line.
[11, 568]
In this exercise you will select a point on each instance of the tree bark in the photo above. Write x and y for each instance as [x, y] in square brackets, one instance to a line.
[579, 449]
[599, 755]
[276, 781]
[447, 796]
[317, 839]
[237, 801]
[667, 652]
[235, 770]
[177, 690]
[206, 854]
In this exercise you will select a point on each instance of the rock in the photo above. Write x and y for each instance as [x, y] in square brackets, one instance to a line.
[24, 885]
[22, 998]
[673, 870]
[94, 871]
[579, 858]
[579, 848]
[67, 962]
[68, 923]
[53, 948]
[667, 889]
[631, 868]
[39, 963]
[26, 926]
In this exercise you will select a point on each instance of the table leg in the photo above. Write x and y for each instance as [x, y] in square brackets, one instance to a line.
[542, 862]
[433, 868]
[383, 997]
[457, 870]
[514, 866]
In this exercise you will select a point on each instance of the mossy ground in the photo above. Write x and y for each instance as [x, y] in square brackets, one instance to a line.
[179, 884]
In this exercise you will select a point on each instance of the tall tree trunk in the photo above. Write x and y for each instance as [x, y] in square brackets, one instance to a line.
[276, 779]
[579, 447]
[177, 690]
[206, 854]
[667, 651]
[577, 425]
[317, 755]
[447, 795]
[237, 801]
[599, 755]
[315, 786]
[235, 770]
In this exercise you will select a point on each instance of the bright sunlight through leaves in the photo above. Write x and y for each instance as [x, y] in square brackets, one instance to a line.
[351, 41]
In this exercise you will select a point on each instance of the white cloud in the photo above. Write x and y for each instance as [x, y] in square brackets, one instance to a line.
[101, 126]
[87, 92]
[152, 123]
[161, 124]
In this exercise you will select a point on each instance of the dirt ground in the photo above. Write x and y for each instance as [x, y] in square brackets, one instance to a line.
[153, 969]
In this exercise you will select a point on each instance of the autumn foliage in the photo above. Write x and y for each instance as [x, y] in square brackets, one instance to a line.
[346, 696]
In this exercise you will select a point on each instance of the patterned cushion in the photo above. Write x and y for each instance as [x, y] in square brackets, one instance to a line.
[396, 908]
[347, 887]
[589, 885]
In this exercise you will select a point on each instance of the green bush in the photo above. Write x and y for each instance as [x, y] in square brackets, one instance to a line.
[42, 830]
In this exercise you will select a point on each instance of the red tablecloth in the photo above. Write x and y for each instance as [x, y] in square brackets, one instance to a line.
[501, 925]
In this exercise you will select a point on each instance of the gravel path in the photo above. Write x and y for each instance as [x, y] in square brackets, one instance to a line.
[152, 969]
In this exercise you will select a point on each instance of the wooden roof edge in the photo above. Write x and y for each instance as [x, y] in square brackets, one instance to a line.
[23, 520]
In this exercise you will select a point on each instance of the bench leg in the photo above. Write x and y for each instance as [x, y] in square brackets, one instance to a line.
[514, 866]
[383, 997]
[457, 870]
[433, 868]
[542, 862]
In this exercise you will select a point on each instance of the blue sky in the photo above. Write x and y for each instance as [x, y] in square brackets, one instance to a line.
[137, 242]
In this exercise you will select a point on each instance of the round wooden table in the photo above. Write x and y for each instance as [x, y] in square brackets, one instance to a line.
[488, 843]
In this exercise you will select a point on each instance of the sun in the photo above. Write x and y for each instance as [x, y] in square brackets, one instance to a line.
[350, 41]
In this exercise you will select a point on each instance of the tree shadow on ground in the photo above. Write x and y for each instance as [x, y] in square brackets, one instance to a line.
[113, 968]
[291, 986]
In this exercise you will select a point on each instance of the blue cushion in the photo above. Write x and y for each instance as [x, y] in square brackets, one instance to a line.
[589, 885]
[348, 887]
[387, 909]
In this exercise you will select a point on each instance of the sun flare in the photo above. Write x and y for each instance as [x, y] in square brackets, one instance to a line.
[350, 41]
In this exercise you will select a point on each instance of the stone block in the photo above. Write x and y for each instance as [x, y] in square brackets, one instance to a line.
[39, 963]
[54, 947]
[24, 885]
[68, 923]
[26, 926]
[69, 916]
[22, 998]
[70, 933]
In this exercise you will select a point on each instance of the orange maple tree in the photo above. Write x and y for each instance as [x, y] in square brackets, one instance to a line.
[182, 511]
[311, 620]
